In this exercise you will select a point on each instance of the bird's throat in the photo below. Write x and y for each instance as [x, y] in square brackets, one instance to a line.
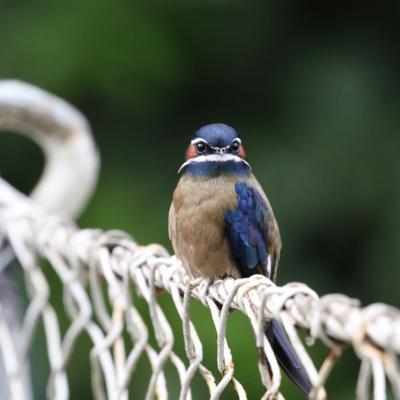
[215, 168]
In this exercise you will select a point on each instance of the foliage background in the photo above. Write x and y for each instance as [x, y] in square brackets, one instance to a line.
[313, 88]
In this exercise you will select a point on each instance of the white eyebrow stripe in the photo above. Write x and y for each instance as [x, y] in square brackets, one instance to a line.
[214, 158]
[198, 140]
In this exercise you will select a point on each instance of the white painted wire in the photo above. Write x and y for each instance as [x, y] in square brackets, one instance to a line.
[87, 261]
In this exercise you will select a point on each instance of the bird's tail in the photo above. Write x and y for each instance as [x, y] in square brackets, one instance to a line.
[287, 357]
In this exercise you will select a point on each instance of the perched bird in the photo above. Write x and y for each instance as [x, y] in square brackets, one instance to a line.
[222, 224]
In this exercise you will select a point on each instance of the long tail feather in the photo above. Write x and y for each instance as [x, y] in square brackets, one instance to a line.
[287, 357]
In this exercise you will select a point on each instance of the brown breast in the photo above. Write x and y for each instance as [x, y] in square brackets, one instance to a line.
[197, 225]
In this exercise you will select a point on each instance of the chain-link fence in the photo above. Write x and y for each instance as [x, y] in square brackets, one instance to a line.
[100, 270]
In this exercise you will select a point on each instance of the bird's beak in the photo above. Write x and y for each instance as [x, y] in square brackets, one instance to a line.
[220, 150]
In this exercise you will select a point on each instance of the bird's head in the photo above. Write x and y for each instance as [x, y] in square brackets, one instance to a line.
[215, 148]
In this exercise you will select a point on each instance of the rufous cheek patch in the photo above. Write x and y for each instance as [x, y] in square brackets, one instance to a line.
[242, 153]
[191, 152]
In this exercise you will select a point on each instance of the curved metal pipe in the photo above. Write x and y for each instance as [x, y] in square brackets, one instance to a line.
[63, 133]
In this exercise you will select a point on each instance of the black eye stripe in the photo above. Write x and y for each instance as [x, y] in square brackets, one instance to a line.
[202, 147]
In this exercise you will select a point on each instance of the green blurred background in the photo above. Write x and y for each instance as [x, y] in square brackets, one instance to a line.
[313, 89]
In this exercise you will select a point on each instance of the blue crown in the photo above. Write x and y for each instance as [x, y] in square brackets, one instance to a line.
[217, 135]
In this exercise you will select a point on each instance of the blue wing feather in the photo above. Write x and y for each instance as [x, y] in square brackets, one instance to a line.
[248, 229]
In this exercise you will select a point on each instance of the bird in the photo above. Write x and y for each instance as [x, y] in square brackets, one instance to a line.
[221, 224]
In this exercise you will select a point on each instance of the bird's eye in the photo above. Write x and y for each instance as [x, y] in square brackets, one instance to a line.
[235, 146]
[200, 147]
